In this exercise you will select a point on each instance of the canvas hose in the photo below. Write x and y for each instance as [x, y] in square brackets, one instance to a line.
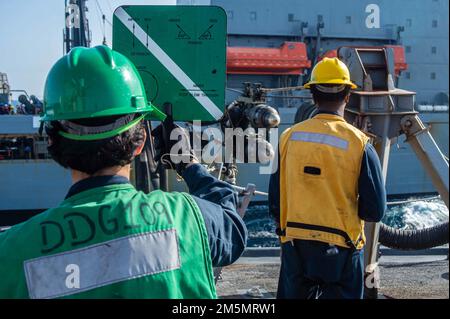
[414, 239]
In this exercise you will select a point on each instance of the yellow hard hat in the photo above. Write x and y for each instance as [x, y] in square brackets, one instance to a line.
[330, 71]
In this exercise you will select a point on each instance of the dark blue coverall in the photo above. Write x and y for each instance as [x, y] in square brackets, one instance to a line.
[305, 263]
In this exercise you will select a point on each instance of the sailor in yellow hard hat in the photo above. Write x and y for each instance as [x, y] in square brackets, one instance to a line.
[327, 184]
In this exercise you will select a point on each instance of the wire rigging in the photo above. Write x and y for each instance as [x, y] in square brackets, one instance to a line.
[99, 15]
[99, 7]
[103, 20]
[110, 7]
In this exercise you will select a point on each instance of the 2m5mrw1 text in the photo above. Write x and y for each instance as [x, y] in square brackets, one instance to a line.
[237, 308]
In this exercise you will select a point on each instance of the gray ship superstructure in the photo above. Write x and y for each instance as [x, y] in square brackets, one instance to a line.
[31, 182]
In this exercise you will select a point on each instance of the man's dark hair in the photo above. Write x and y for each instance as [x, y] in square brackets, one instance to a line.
[91, 156]
[324, 98]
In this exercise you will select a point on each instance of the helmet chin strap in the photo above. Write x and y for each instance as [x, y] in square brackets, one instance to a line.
[78, 129]
[330, 88]
[103, 135]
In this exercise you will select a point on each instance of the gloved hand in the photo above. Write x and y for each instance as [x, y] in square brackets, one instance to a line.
[173, 146]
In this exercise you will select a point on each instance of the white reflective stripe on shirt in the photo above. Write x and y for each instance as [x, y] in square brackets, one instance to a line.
[320, 139]
[87, 268]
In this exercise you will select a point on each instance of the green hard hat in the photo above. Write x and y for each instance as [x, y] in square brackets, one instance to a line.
[95, 82]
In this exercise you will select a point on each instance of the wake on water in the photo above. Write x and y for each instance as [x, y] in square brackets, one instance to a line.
[410, 215]
[416, 215]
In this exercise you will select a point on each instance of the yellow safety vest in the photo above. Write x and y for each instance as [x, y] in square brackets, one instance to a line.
[320, 162]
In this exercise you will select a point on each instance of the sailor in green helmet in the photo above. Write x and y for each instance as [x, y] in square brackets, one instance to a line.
[106, 239]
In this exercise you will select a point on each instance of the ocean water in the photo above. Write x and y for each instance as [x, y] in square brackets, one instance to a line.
[415, 213]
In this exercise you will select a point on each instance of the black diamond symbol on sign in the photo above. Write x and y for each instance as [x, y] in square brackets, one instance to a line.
[182, 34]
[207, 34]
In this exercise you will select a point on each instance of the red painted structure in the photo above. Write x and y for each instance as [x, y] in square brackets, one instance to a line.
[289, 59]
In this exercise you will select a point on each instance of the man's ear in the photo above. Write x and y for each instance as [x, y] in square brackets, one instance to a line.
[139, 149]
[347, 98]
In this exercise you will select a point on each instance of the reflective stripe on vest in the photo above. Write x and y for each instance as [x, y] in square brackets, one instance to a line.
[132, 256]
[320, 161]
[320, 139]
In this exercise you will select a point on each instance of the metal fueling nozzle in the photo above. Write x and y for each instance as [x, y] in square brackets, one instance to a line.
[263, 116]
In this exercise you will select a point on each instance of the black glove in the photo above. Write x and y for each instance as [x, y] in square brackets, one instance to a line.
[175, 153]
